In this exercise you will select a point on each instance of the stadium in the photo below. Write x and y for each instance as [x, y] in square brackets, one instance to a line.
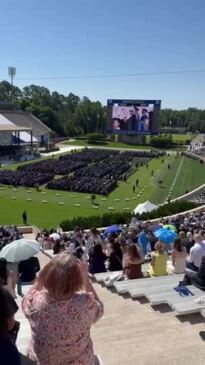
[64, 182]
[102, 183]
[58, 195]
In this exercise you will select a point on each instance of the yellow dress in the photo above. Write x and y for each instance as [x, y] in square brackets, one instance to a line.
[160, 266]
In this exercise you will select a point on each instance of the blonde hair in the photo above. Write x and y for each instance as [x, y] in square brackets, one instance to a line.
[159, 247]
[62, 276]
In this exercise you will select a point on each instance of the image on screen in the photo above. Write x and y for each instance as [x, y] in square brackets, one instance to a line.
[133, 116]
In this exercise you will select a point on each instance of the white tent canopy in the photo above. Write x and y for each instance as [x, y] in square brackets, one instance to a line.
[144, 208]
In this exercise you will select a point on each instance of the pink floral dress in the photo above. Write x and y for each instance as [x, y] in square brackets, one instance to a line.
[61, 328]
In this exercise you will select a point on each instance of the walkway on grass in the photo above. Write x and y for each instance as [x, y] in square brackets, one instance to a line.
[175, 179]
[63, 149]
[197, 142]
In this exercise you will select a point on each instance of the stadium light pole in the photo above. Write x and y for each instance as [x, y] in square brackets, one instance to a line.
[12, 73]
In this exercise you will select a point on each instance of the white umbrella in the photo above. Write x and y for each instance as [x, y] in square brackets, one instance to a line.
[20, 250]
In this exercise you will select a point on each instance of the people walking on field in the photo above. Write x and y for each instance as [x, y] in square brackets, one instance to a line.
[93, 197]
[24, 217]
[137, 183]
[133, 189]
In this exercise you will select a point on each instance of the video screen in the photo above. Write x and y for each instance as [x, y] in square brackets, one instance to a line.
[133, 117]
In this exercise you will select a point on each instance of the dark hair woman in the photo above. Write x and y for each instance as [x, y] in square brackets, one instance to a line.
[115, 258]
[177, 264]
[97, 259]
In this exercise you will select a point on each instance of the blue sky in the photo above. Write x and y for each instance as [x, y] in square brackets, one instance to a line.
[50, 38]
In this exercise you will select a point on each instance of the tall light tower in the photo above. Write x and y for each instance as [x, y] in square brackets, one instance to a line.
[12, 73]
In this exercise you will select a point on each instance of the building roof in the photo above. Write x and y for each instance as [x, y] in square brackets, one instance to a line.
[25, 121]
[13, 128]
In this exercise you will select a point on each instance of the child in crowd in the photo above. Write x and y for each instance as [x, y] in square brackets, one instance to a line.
[158, 264]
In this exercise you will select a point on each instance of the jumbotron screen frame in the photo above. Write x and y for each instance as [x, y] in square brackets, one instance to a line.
[140, 105]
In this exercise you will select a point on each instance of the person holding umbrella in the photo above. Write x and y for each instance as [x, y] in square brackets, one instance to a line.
[17, 251]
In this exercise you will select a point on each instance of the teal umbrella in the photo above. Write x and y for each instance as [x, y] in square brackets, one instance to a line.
[170, 226]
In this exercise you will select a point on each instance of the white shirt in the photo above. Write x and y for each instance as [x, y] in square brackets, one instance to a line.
[196, 253]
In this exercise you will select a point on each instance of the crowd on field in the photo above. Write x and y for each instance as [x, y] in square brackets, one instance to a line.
[91, 170]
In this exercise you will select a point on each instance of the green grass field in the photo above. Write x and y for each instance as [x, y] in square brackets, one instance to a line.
[177, 138]
[51, 213]
[190, 177]
[83, 143]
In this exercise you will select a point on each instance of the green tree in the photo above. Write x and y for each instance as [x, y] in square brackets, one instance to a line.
[5, 92]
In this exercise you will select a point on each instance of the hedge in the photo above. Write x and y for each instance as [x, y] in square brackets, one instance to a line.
[125, 217]
[95, 142]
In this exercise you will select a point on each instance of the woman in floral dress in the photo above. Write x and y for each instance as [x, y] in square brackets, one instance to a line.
[61, 307]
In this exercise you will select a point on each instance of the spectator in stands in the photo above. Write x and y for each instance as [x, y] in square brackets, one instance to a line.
[195, 278]
[6, 277]
[115, 258]
[97, 259]
[60, 314]
[143, 240]
[57, 247]
[158, 264]
[8, 351]
[8, 234]
[79, 253]
[196, 253]
[177, 264]
[39, 239]
[77, 237]
[47, 241]
[27, 269]
[189, 243]
[185, 241]
[95, 236]
[132, 263]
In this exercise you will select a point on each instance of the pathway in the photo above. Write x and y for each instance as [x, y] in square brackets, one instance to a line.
[197, 142]
[63, 149]
[175, 179]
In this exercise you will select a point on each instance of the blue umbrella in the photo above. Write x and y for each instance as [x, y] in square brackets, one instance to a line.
[112, 229]
[165, 235]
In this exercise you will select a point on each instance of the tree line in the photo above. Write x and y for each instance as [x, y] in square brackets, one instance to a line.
[66, 115]
[192, 119]
[70, 115]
